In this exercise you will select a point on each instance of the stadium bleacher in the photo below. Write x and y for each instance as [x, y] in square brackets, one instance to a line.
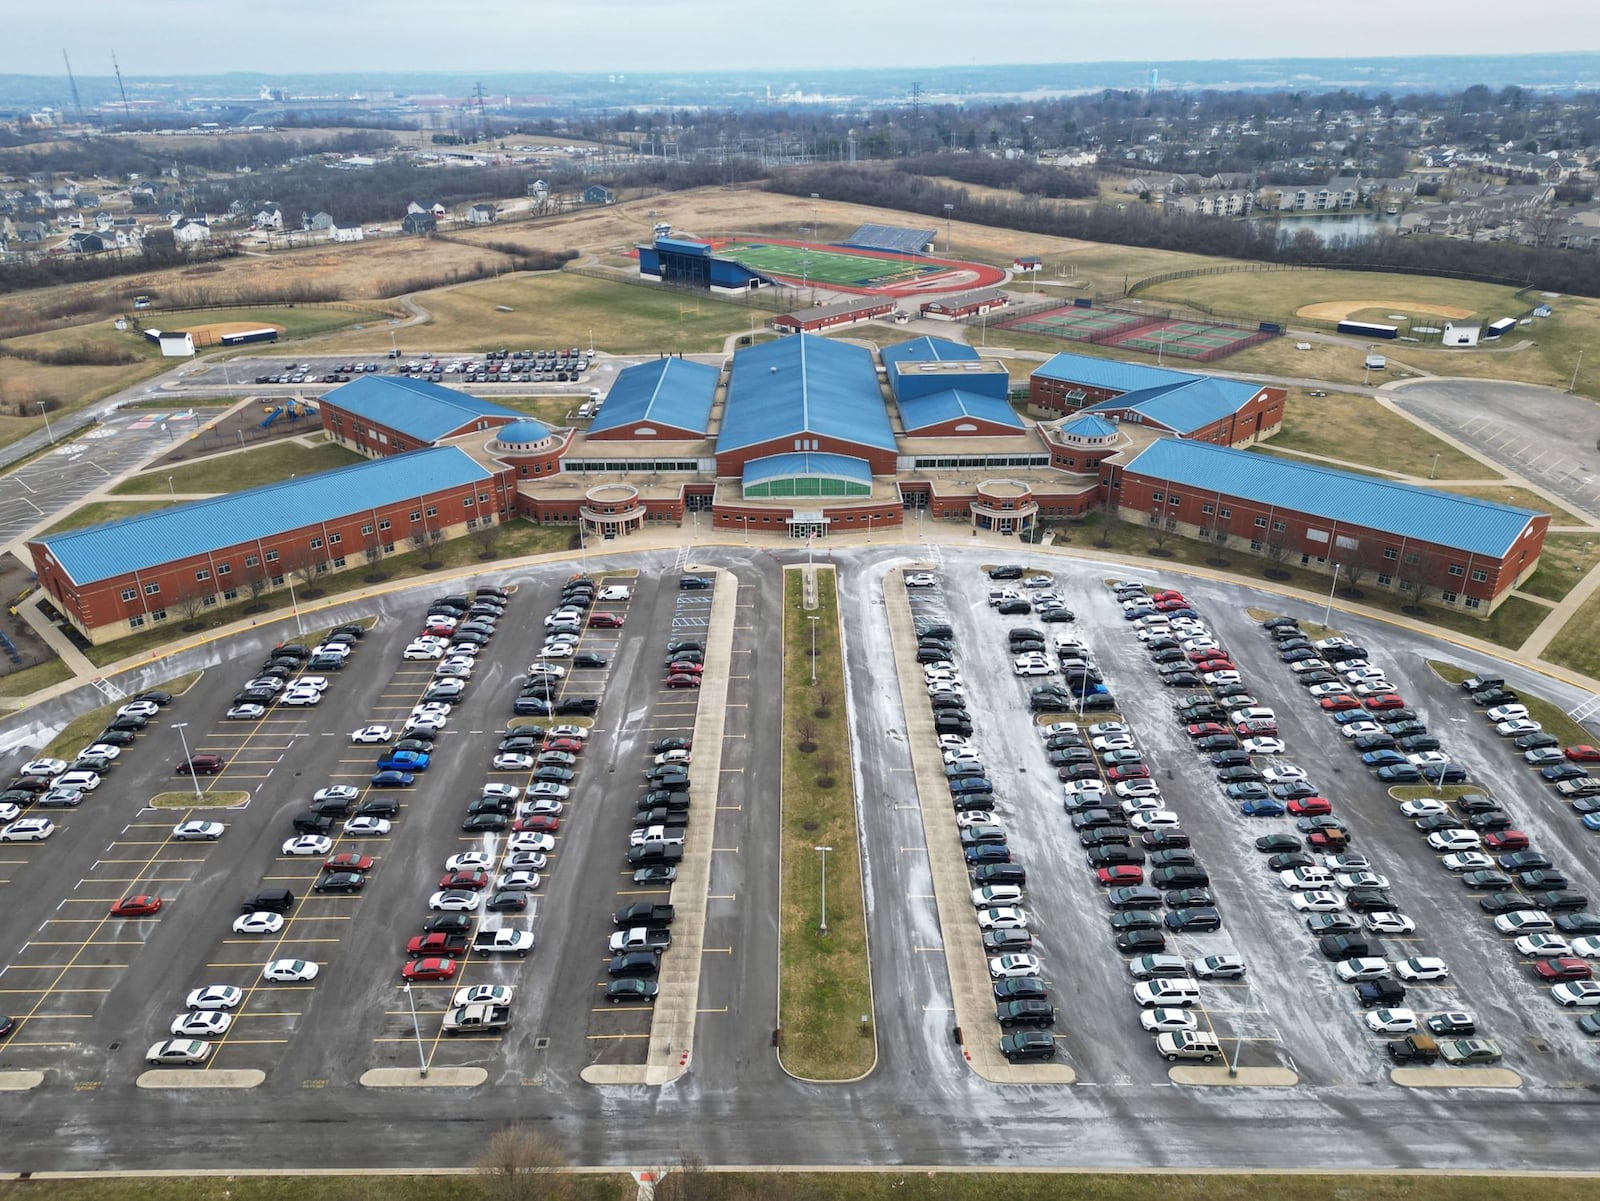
[893, 238]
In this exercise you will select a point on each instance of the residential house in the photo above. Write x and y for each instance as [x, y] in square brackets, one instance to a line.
[482, 214]
[191, 229]
[88, 243]
[270, 217]
[346, 233]
[104, 222]
[418, 223]
[435, 210]
[32, 231]
[317, 222]
[598, 194]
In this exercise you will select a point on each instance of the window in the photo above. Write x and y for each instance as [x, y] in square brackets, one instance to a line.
[1172, 499]
[483, 498]
[151, 589]
[383, 525]
[251, 561]
[1448, 598]
[1280, 526]
[1255, 544]
[272, 556]
[159, 615]
[1457, 569]
[208, 600]
[339, 562]
[433, 510]
[1480, 575]
[467, 503]
[129, 593]
[335, 539]
[1390, 553]
[388, 548]
[1385, 580]
[1413, 558]
[316, 544]
[1224, 513]
[415, 515]
[1208, 510]
[1261, 523]
[202, 574]
[135, 622]
[1157, 497]
[1473, 602]
[223, 569]
[230, 594]
[277, 581]
[367, 529]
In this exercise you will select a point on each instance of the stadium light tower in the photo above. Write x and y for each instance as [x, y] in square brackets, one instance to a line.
[948, 209]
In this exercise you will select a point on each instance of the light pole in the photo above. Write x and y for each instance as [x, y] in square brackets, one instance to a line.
[1327, 612]
[869, 527]
[294, 605]
[180, 726]
[813, 622]
[416, 1028]
[171, 491]
[747, 529]
[948, 209]
[51, 432]
[1433, 472]
[814, 198]
[823, 928]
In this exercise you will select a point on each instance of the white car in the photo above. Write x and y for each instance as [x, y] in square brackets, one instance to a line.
[1029, 666]
[1423, 808]
[100, 750]
[1087, 789]
[1101, 728]
[203, 831]
[371, 734]
[669, 757]
[201, 1023]
[1517, 727]
[513, 761]
[1305, 665]
[1356, 729]
[548, 790]
[28, 829]
[262, 921]
[77, 781]
[1142, 804]
[621, 592]
[954, 742]
[517, 880]
[139, 709]
[1455, 840]
[1201, 644]
[963, 754]
[1215, 678]
[300, 698]
[557, 650]
[1305, 879]
[506, 792]
[1159, 819]
[531, 840]
[1420, 968]
[45, 768]
[568, 731]
[1467, 861]
[423, 650]
[1541, 946]
[1113, 742]
[1587, 947]
[991, 895]
[457, 900]
[330, 648]
[1349, 880]
[335, 792]
[532, 860]
[548, 806]
[921, 579]
[1524, 921]
[178, 1051]
[1577, 994]
[359, 827]
[1317, 902]
[1006, 967]
[1151, 633]
[289, 971]
[1500, 713]
[1134, 788]
[546, 671]
[9, 812]
[1387, 921]
[492, 994]
[974, 817]
[313, 683]
[1262, 746]
[245, 712]
[1003, 917]
[469, 861]
[214, 996]
[1318, 691]
[432, 709]
[1283, 773]
[1392, 1021]
[431, 724]
[1354, 970]
[1162, 1020]
[1428, 759]
[308, 844]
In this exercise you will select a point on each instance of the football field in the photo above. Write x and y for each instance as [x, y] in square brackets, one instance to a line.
[829, 267]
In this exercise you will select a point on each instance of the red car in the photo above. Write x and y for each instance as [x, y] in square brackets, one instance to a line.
[428, 969]
[1327, 840]
[1388, 700]
[1338, 704]
[1167, 594]
[348, 861]
[1256, 726]
[477, 881]
[606, 621]
[1563, 967]
[1505, 840]
[542, 823]
[685, 668]
[1311, 806]
[141, 905]
[1168, 605]
[1134, 771]
[681, 680]
[1583, 754]
[571, 746]
[1122, 873]
[1205, 729]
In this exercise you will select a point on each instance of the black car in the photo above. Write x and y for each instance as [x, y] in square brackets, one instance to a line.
[1505, 902]
[1005, 571]
[987, 852]
[999, 873]
[1142, 941]
[1535, 742]
[506, 902]
[587, 659]
[1135, 919]
[577, 706]
[1001, 942]
[1115, 856]
[1332, 923]
[1106, 836]
[1155, 840]
[1525, 861]
[1032, 1013]
[448, 923]
[1578, 923]
[1287, 861]
[1218, 742]
[1494, 696]
[1234, 759]
[1379, 992]
[478, 823]
[1194, 920]
[1558, 901]
[1182, 679]
[1020, 988]
[155, 697]
[1558, 772]
[1274, 843]
[340, 882]
[379, 806]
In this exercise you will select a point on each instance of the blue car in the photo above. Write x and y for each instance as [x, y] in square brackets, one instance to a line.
[1345, 716]
[1137, 612]
[1591, 821]
[403, 761]
[393, 779]
[1382, 758]
[1266, 807]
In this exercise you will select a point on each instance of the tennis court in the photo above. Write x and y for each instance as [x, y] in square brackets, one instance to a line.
[1078, 324]
[830, 267]
[1150, 331]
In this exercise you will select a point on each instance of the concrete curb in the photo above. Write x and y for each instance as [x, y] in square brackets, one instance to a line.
[1220, 1077]
[200, 1079]
[436, 1078]
[20, 1082]
[1448, 1077]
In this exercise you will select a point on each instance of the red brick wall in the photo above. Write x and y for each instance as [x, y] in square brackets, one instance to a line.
[731, 463]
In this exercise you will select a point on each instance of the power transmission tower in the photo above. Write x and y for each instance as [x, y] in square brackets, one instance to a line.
[916, 115]
[127, 112]
[77, 100]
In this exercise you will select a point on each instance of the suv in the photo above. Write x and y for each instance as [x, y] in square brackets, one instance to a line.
[1028, 1045]
[1189, 1044]
[1006, 571]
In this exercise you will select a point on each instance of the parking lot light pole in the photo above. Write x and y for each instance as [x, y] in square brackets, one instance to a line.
[180, 726]
[416, 1028]
[813, 622]
[1327, 611]
[294, 605]
[52, 436]
[823, 928]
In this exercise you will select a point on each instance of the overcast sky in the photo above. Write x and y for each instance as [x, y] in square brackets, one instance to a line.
[157, 37]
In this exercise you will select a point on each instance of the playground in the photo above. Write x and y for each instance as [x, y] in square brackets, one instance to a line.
[843, 269]
[1143, 329]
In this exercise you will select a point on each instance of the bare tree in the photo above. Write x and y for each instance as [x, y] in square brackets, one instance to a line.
[190, 604]
[806, 730]
[433, 541]
[1414, 580]
[1159, 533]
[487, 536]
[1111, 522]
[419, 540]
[520, 1164]
[257, 583]
[688, 1180]
[306, 564]
[825, 700]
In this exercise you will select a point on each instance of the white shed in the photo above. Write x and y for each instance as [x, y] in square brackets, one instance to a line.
[1460, 335]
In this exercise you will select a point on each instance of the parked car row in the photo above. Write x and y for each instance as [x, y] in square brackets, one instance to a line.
[291, 677]
[540, 695]
[504, 367]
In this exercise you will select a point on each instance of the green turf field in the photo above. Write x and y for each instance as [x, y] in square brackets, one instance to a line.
[827, 267]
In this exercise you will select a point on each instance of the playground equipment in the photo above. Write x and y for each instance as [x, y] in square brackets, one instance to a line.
[291, 409]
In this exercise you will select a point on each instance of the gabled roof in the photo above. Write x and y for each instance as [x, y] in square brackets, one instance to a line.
[922, 411]
[1108, 373]
[771, 467]
[139, 543]
[1462, 522]
[803, 384]
[1191, 404]
[417, 408]
[925, 349]
[672, 392]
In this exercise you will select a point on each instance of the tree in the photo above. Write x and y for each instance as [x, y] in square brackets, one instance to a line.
[257, 583]
[1414, 578]
[190, 604]
[1159, 533]
[520, 1164]
[433, 541]
[1276, 553]
[806, 730]
[306, 566]
[688, 1180]
[1110, 523]
[373, 549]
[487, 536]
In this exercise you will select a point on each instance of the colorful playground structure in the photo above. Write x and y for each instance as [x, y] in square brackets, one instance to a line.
[292, 409]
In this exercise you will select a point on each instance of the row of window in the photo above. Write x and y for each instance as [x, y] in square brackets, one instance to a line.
[980, 462]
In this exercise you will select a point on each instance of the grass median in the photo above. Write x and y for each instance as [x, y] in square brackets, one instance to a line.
[1551, 716]
[824, 986]
[237, 470]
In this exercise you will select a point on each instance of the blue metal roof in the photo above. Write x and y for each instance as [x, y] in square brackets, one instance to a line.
[1109, 373]
[683, 246]
[925, 349]
[1088, 426]
[139, 543]
[671, 392]
[803, 384]
[773, 467]
[1463, 522]
[421, 410]
[1191, 404]
[922, 411]
[525, 431]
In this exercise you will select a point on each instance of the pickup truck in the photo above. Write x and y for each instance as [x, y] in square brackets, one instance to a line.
[480, 1016]
[648, 835]
[656, 852]
[443, 945]
[644, 913]
[503, 942]
[1414, 1048]
[641, 938]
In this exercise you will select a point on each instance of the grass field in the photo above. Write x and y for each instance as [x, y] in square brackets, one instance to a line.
[828, 267]
[27, 382]
[1551, 716]
[239, 470]
[31, 679]
[1284, 293]
[97, 511]
[553, 309]
[1578, 644]
[1358, 429]
[1522, 498]
[824, 986]
[297, 321]
[1566, 559]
